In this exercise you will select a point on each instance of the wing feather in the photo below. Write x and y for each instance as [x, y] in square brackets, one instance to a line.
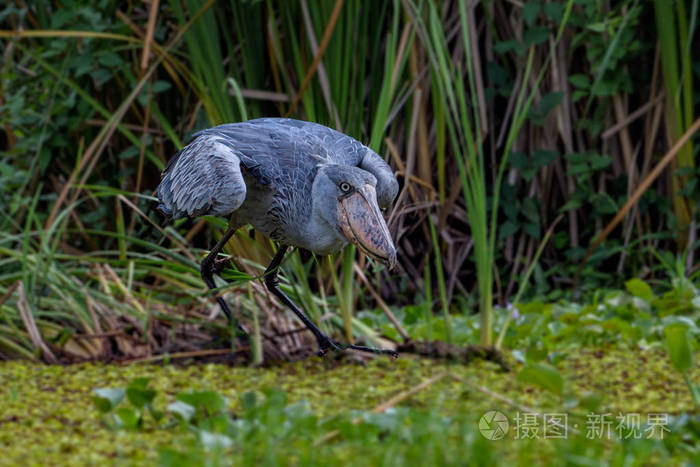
[203, 178]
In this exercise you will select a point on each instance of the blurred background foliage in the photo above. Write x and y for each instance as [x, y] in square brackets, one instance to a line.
[96, 96]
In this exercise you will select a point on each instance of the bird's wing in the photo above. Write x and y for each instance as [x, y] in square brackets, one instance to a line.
[272, 151]
[284, 153]
[203, 178]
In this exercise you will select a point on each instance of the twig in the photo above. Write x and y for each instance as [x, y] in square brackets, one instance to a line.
[9, 292]
[632, 117]
[327, 34]
[643, 186]
[382, 304]
[150, 28]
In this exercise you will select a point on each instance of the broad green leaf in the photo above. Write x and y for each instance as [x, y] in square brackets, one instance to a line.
[109, 59]
[139, 397]
[106, 399]
[138, 393]
[535, 35]
[544, 376]
[530, 12]
[554, 10]
[590, 401]
[209, 401]
[543, 157]
[639, 288]
[129, 417]
[181, 410]
[678, 345]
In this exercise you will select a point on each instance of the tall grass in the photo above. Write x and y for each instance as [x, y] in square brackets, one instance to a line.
[461, 92]
[676, 66]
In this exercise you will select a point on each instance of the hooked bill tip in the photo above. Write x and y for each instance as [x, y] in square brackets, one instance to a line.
[364, 226]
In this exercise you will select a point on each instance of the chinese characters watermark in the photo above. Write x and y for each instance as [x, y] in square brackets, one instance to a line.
[494, 425]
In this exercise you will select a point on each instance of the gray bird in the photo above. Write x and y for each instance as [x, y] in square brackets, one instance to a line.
[299, 183]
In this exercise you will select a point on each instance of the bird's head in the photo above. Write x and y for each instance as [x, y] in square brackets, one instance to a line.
[347, 200]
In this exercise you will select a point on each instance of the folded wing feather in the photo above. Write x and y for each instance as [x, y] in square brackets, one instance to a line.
[204, 178]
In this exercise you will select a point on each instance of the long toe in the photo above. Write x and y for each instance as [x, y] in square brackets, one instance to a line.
[362, 348]
[326, 344]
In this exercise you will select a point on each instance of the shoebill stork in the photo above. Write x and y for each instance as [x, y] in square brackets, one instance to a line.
[299, 183]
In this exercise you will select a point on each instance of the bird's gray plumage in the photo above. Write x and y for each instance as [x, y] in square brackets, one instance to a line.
[263, 171]
[299, 183]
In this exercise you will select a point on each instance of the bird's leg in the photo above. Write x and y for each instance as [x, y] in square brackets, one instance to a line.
[211, 265]
[325, 343]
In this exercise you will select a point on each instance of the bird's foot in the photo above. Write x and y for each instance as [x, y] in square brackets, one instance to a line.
[220, 264]
[326, 343]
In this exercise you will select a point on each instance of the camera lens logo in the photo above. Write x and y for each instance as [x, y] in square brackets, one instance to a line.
[493, 425]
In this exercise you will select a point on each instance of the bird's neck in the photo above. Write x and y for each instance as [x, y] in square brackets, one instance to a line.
[319, 235]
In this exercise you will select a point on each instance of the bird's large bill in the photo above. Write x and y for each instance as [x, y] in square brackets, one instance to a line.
[364, 226]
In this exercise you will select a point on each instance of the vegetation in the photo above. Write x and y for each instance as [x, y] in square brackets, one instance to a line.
[315, 411]
[546, 153]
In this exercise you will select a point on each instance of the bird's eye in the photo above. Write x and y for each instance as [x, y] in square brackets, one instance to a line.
[345, 187]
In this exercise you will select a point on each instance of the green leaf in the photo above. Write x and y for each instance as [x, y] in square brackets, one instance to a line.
[518, 160]
[578, 94]
[507, 229]
[596, 27]
[181, 410]
[542, 375]
[554, 11]
[139, 397]
[639, 288]
[530, 12]
[530, 209]
[535, 35]
[109, 59]
[590, 401]
[209, 401]
[678, 345]
[600, 161]
[580, 81]
[542, 157]
[571, 204]
[129, 417]
[138, 393]
[507, 46]
[550, 101]
[536, 353]
[251, 399]
[106, 399]
[155, 413]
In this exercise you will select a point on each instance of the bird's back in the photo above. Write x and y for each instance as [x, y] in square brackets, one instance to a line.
[271, 148]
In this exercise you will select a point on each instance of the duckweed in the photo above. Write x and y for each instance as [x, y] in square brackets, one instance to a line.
[48, 418]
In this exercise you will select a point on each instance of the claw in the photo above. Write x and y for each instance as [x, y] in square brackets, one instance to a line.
[220, 264]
